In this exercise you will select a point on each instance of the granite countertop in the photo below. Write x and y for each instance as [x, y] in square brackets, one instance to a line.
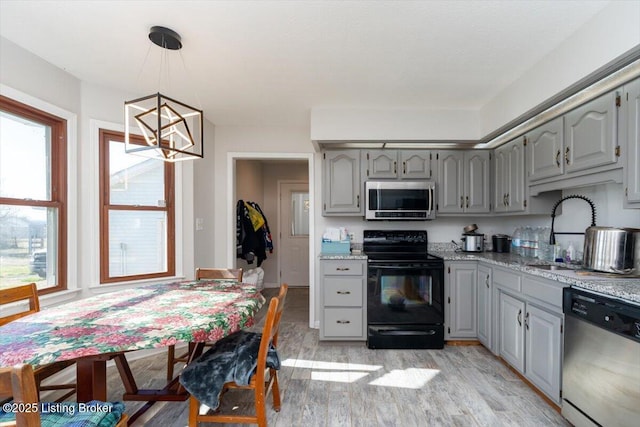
[343, 256]
[626, 289]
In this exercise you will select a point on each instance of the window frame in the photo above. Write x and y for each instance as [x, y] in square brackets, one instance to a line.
[59, 166]
[104, 138]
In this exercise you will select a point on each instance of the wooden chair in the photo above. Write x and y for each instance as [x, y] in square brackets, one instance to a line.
[201, 273]
[263, 380]
[19, 382]
[30, 293]
[219, 273]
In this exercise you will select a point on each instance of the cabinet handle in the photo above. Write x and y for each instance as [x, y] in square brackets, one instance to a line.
[487, 281]
[343, 322]
[467, 201]
[461, 202]
[526, 320]
[358, 201]
[404, 168]
[520, 317]
[343, 292]
[343, 268]
[566, 155]
[504, 199]
[395, 167]
[508, 197]
[558, 158]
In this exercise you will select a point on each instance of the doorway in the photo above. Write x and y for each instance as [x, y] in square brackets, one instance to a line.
[272, 167]
[293, 214]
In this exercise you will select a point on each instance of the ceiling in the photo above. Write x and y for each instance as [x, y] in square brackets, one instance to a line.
[270, 62]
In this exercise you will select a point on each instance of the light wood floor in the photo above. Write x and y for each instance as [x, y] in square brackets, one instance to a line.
[346, 384]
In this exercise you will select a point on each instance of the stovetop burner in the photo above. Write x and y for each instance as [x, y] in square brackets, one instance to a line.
[397, 246]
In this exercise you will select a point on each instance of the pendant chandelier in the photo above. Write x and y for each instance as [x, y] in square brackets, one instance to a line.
[172, 130]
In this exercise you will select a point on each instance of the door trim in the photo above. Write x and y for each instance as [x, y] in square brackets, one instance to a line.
[231, 212]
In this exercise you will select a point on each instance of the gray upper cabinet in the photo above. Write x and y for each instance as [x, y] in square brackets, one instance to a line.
[463, 179]
[509, 187]
[545, 150]
[380, 164]
[590, 134]
[631, 129]
[341, 183]
[416, 164]
[396, 164]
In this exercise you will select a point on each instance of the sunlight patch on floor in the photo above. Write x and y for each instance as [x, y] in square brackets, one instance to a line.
[318, 364]
[338, 376]
[412, 378]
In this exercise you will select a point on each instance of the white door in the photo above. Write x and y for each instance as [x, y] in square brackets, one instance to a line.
[294, 233]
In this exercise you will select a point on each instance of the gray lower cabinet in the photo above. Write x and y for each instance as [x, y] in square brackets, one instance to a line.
[341, 183]
[511, 330]
[484, 305]
[530, 323]
[461, 295]
[343, 300]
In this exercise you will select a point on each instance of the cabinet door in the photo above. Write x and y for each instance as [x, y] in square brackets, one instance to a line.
[501, 180]
[342, 183]
[516, 188]
[484, 305]
[545, 148]
[512, 331]
[544, 347]
[382, 164]
[415, 164]
[590, 134]
[450, 178]
[462, 300]
[632, 117]
[477, 196]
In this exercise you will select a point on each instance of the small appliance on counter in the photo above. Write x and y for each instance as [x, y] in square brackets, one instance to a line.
[472, 241]
[501, 243]
[612, 250]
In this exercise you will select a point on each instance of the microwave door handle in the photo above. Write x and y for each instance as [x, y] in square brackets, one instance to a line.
[430, 201]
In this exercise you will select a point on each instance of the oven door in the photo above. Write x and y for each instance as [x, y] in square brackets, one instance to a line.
[405, 293]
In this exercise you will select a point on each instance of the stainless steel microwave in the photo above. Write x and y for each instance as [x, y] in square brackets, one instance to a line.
[400, 200]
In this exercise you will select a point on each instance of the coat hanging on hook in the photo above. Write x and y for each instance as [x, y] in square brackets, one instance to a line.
[253, 237]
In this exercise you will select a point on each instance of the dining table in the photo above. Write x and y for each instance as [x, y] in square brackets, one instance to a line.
[97, 329]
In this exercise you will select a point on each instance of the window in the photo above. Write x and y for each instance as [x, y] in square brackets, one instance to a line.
[33, 197]
[137, 213]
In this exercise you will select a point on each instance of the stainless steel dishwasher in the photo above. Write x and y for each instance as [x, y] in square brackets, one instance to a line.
[601, 366]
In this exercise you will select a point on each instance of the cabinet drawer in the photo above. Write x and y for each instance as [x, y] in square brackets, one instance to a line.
[342, 322]
[507, 279]
[543, 290]
[343, 268]
[343, 291]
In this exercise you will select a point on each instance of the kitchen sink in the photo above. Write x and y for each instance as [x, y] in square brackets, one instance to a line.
[549, 267]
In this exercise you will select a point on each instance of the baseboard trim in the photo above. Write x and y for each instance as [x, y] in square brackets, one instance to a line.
[462, 342]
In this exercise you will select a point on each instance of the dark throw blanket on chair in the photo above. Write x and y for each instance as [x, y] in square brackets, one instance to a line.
[233, 358]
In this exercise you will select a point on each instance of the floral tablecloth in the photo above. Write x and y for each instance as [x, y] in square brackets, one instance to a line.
[133, 319]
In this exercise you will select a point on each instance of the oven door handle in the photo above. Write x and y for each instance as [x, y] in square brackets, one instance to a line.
[403, 267]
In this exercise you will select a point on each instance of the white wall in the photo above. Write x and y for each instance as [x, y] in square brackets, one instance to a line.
[254, 141]
[609, 34]
[400, 124]
[94, 107]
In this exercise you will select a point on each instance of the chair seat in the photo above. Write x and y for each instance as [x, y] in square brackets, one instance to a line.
[233, 359]
[94, 413]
